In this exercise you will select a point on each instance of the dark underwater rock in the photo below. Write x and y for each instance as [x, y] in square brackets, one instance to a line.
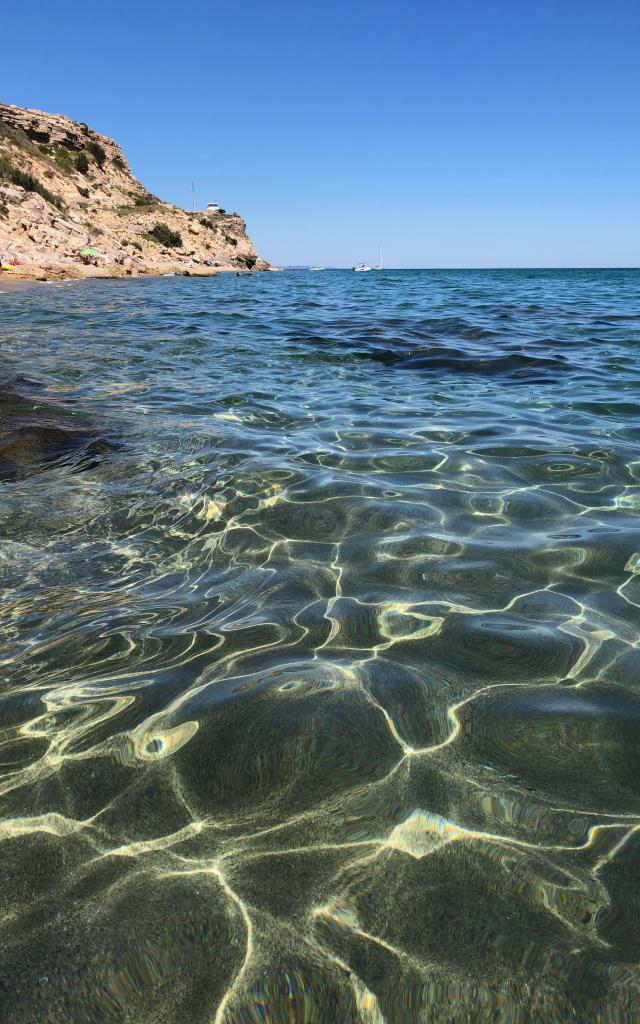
[35, 434]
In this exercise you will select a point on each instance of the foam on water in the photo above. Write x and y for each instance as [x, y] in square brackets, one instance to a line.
[319, 666]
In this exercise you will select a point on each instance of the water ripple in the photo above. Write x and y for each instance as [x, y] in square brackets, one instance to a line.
[319, 649]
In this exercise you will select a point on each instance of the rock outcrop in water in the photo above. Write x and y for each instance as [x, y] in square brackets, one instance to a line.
[64, 188]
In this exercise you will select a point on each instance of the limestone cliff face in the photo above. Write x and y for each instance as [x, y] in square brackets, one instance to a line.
[64, 187]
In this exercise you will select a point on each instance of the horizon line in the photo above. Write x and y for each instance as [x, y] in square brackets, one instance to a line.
[307, 266]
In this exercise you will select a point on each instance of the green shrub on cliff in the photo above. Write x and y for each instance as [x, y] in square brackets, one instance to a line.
[146, 199]
[98, 153]
[163, 234]
[8, 172]
[82, 164]
[63, 160]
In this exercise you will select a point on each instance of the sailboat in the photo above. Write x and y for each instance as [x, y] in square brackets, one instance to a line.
[380, 263]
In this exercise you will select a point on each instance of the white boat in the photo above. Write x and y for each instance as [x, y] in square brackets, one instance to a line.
[316, 268]
[360, 268]
[380, 263]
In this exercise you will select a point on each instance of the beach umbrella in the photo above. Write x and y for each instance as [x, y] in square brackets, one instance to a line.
[88, 251]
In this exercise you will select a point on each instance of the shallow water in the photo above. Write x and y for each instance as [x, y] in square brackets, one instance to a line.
[320, 692]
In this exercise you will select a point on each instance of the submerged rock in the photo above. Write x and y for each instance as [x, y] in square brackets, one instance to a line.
[36, 434]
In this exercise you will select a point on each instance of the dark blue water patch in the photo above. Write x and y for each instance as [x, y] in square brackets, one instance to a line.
[452, 345]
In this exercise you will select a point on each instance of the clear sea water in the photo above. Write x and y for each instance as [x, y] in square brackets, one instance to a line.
[320, 682]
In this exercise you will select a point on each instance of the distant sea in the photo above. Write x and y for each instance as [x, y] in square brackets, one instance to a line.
[320, 682]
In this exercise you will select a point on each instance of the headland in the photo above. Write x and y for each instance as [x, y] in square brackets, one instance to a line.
[70, 207]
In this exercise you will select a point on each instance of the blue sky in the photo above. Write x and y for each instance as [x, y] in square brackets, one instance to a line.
[488, 133]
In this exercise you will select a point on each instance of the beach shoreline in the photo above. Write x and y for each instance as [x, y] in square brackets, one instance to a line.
[33, 274]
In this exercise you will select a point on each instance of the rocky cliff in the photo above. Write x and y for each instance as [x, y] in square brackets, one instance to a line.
[64, 188]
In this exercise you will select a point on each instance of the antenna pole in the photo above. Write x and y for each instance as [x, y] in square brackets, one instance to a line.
[193, 194]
